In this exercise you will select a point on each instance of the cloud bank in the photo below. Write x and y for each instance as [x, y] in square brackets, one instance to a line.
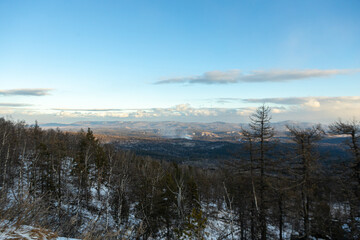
[26, 92]
[315, 102]
[236, 76]
[323, 109]
[181, 110]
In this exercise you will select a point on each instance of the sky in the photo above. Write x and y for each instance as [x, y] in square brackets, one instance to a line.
[194, 61]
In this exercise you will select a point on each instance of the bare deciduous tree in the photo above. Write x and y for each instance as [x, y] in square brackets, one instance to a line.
[305, 139]
[261, 133]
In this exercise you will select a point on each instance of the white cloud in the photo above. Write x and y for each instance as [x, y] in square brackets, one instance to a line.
[278, 110]
[14, 105]
[245, 111]
[181, 110]
[26, 92]
[182, 107]
[236, 76]
[312, 109]
[315, 109]
[312, 103]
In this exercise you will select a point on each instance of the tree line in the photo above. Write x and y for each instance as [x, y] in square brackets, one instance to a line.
[77, 186]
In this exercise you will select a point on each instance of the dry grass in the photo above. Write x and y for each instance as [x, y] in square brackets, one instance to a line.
[26, 233]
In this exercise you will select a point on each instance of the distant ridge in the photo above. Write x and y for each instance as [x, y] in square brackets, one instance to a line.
[45, 125]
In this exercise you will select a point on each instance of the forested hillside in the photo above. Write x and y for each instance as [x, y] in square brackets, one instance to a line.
[76, 186]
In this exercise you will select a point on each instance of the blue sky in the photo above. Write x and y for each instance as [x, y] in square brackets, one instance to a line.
[64, 61]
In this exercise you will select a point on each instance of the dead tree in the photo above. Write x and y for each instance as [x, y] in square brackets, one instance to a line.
[261, 133]
[305, 140]
[351, 179]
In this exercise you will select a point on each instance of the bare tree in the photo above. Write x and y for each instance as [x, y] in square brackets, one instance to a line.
[352, 129]
[261, 133]
[305, 139]
[351, 179]
[254, 211]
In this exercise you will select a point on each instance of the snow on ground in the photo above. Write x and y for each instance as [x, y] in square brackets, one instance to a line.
[64, 238]
[24, 232]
